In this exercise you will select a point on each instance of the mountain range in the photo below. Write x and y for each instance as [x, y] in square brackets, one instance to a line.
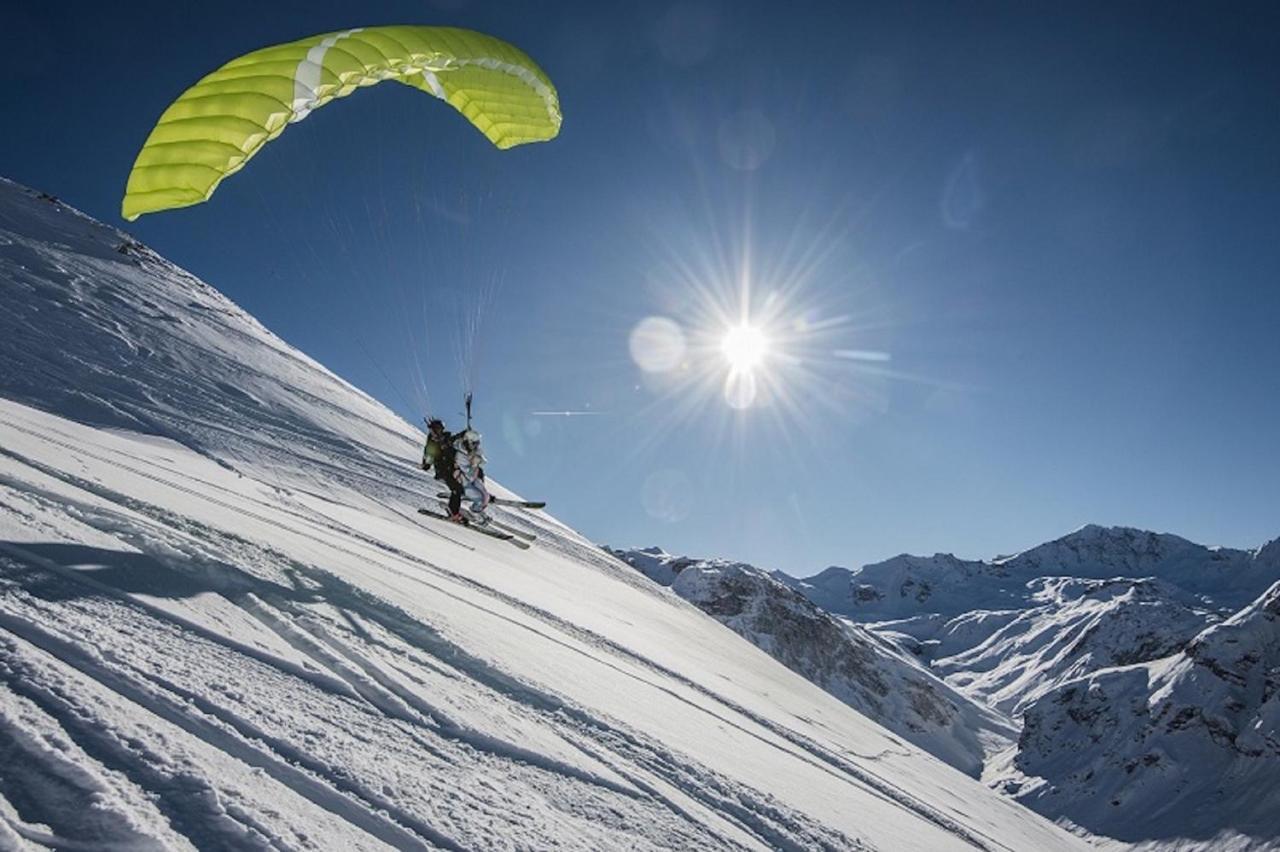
[1140, 671]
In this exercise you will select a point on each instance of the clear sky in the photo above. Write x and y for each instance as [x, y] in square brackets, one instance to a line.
[1019, 263]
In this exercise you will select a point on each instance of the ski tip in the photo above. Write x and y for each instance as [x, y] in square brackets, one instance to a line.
[520, 504]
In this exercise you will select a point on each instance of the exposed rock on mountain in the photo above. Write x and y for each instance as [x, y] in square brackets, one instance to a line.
[1185, 747]
[1079, 626]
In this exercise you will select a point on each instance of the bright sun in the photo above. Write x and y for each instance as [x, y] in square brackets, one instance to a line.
[744, 347]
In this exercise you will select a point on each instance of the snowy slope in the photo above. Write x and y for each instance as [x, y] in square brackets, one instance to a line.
[848, 660]
[222, 624]
[1186, 748]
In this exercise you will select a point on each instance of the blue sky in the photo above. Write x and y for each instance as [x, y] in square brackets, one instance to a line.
[1060, 226]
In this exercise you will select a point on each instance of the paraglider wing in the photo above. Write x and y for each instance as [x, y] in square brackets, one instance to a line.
[217, 125]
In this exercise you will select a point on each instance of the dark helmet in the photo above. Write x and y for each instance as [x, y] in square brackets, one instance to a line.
[435, 424]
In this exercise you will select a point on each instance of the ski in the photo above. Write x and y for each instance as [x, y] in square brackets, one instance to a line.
[515, 532]
[501, 535]
[503, 501]
[519, 504]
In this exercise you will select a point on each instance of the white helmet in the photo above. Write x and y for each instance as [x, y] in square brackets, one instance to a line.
[471, 438]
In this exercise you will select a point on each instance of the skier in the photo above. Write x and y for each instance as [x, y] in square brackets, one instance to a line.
[459, 463]
[440, 453]
[469, 471]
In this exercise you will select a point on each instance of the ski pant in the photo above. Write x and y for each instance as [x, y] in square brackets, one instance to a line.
[477, 494]
[455, 493]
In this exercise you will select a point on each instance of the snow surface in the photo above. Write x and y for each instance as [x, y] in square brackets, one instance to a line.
[222, 624]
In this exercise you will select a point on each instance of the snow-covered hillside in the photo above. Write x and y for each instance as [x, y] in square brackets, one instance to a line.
[851, 662]
[1186, 748]
[222, 625]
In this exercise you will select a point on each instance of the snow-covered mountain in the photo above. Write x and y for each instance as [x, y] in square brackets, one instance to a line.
[1150, 712]
[1185, 748]
[1077, 627]
[1010, 629]
[222, 625]
[909, 586]
[918, 587]
[849, 661]
[1223, 577]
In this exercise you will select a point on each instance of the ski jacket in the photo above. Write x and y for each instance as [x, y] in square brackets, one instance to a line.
[439, 453]
[469, 465]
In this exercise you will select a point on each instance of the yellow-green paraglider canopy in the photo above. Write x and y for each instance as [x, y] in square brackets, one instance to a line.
[217, 125]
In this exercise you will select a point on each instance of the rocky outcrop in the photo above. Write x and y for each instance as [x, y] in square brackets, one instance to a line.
[1184, 747]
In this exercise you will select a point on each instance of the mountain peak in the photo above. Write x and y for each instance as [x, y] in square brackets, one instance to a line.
[1269, 553]
[1098, 537]
[831, 572]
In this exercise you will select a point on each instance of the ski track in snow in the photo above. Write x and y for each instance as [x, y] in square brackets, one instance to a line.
[358, 682]
[805, 749]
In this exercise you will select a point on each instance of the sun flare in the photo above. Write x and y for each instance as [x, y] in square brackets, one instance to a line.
[766, 334]
[744, 347]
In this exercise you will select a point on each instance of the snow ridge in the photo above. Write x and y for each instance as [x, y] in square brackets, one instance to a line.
[908, 586]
